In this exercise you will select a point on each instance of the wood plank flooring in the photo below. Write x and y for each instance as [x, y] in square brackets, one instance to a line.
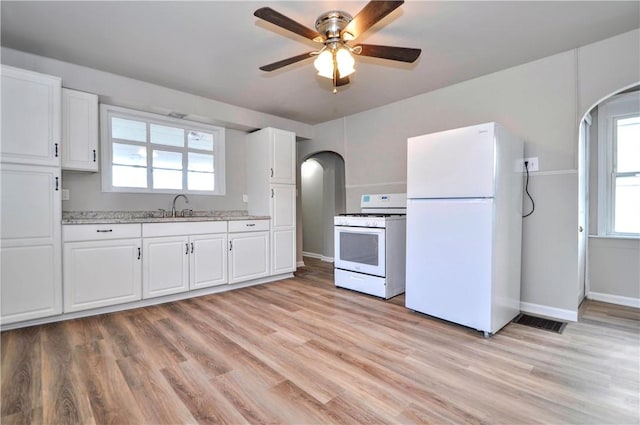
[300, 351]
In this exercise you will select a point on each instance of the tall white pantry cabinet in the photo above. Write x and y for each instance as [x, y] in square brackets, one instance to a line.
[30, 205]
[271, 190]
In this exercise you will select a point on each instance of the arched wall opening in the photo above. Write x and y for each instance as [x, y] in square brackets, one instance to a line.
[608, 269]
[323, 196]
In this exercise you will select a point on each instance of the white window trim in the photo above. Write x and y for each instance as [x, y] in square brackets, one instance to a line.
[616, 107]
[106, 149]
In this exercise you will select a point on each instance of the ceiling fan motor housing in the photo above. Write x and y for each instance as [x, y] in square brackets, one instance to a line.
[330, 24]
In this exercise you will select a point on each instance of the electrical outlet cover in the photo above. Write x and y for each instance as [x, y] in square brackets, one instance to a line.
[532, 163]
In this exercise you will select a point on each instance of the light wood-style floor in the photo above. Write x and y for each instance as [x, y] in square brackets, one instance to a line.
[300, 351]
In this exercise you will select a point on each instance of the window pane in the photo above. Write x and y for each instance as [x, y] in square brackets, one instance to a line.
[200, 162]
[200, 181]
[628, 144]
[123, 176]
[166, 159]
[129, 155]
[167, 179]
[128, 130]
[200, 140]
[627, 207]
[169, 136]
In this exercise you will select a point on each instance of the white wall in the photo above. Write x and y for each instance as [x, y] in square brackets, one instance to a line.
[538, 101]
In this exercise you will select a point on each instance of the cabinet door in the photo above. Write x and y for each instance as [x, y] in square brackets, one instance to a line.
[30, 117]
[283, 234]
[283, 206]
[283, 157]
[208, 260]
[248, 256]
[31, 285]
[31, 275]
[101, 273]
[79, 130]
[165, 264]
[283, 251]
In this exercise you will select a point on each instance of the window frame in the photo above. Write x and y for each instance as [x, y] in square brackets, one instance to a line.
[617, 107]
[109, 111]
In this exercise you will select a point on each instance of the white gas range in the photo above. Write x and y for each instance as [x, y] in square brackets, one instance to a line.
[370, 246]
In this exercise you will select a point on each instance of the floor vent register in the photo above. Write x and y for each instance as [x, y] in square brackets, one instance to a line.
[540, 323]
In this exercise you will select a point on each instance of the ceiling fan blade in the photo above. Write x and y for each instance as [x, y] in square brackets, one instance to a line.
[342, 81]
[285, 62]
[289, 24]
[373, 12]
[402, 54]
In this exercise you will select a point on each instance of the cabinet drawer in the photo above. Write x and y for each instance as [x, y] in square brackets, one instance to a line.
[248, 226]
[183, 228]
[96, 232]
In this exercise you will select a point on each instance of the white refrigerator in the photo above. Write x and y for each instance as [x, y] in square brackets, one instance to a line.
[464, 225]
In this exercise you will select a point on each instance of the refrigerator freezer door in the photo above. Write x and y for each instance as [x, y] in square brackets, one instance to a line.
[452, 164]
[449, 249]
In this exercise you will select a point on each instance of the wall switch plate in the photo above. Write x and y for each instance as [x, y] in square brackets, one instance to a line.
[532, 163]
[65, 194]
[245, 198]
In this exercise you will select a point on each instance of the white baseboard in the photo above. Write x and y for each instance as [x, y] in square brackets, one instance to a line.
[614, 299]
[317, 256]
[551, 312]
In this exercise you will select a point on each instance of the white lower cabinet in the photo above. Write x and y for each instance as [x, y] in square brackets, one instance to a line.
[179, 257]
[101, 265]
[208, 261]
[248, 250]
[101, 273]
[166, 266]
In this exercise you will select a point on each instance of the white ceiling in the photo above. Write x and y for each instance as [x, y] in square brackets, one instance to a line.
[214, 48]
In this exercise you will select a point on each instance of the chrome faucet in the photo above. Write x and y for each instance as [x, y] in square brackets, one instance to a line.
[173, 206]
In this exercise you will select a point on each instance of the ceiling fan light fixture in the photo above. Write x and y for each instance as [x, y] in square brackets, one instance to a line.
[345, 62]
[324, 64]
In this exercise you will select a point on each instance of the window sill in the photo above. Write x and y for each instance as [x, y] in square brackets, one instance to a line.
[617, 237]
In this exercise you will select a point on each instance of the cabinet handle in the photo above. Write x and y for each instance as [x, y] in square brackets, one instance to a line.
[272, 193]
[251, 224]
[94, 155]
[104, 231]
[271, 171]
[192, 247]
[57, 181]
[187, 250]
[139, 251]
[230, 245]
[56, 149]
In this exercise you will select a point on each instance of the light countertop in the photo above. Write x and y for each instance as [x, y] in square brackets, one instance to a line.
[122, 217]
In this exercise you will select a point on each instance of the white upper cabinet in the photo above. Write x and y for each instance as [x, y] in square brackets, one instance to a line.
[271, 156]
[79, 131]
[30, 117]
[282, 156]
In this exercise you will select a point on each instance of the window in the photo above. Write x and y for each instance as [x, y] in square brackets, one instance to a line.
[149, 153]
[619, 166]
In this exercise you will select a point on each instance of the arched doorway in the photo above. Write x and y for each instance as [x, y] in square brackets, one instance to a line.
[323, 195]
[607, 260]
